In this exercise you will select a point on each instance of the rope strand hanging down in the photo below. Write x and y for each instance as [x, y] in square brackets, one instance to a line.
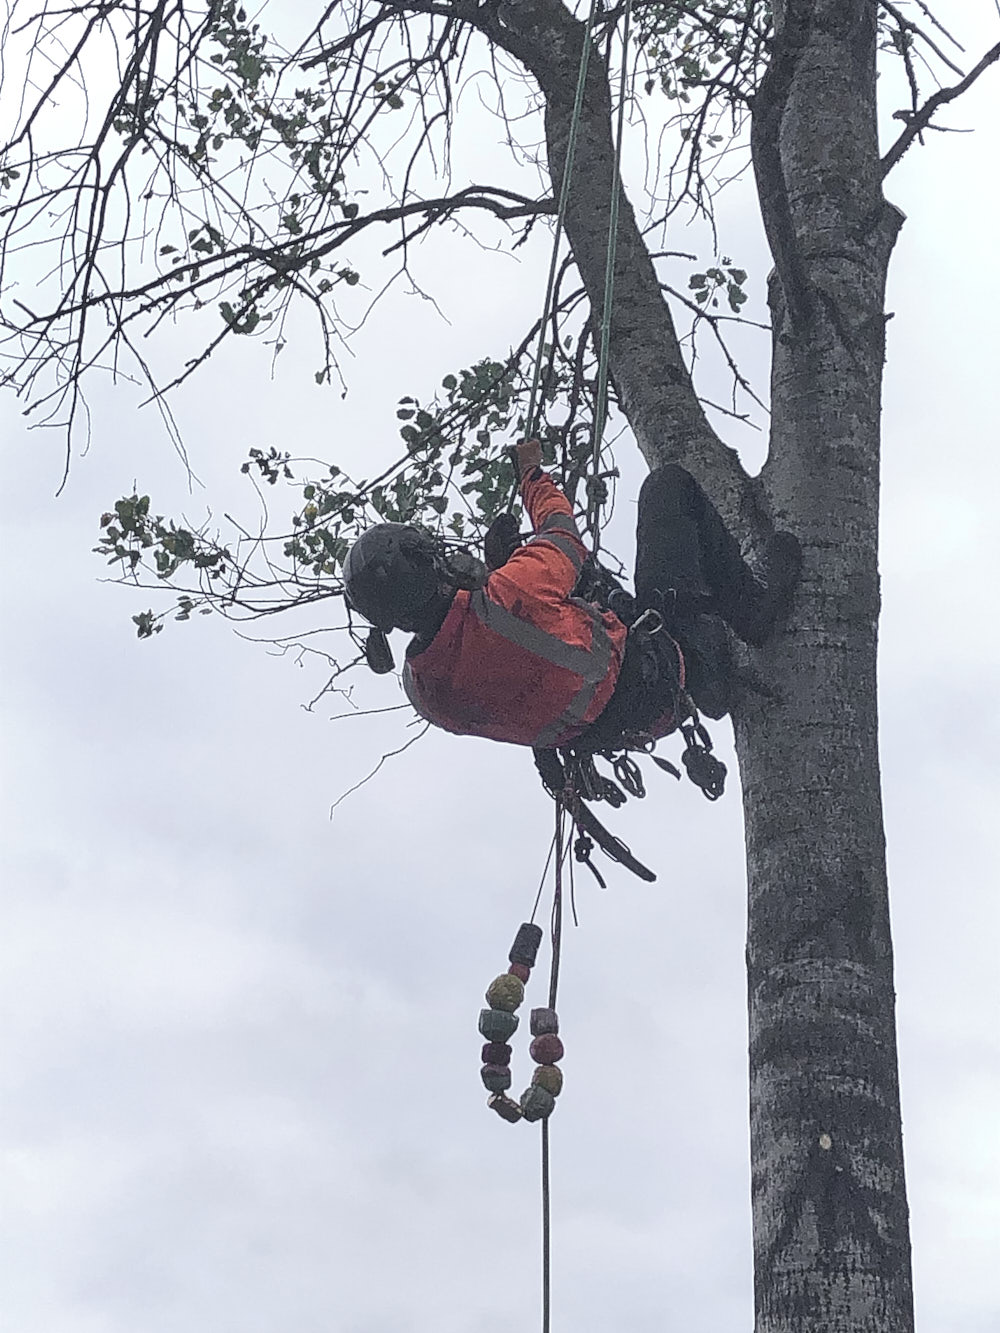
[557, 913]
[567, 177]
[604, 353]
[604, 341]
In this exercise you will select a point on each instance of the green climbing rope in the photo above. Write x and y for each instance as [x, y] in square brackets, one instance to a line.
[601, 397]
[567, 177]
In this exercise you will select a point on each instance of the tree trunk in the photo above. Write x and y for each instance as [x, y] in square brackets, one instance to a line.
[830, 1217]
[831, 1241]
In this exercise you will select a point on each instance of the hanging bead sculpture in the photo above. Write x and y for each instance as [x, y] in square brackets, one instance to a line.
[499, 1022]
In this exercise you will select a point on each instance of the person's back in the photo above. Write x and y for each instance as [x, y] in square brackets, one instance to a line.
[521, 659]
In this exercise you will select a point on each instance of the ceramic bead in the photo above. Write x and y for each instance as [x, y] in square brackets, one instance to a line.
[536, 1103]
[505, 1107]
[549, 1077]
[496, 1053]
[546, 1049]
[544, 1020]
[520, 970]
[525, 946]
[497, 1024]
[496, 1078]
[505, 992]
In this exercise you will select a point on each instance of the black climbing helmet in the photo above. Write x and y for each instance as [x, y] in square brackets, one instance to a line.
[391, 573]
[395, 571]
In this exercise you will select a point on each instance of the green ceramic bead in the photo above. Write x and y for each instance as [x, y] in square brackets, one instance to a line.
[497, 1024]
[496, 1078]
[536, 1103]
[506, 992]
[549, 1077]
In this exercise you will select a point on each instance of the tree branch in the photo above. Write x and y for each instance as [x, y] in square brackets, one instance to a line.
[651, 377]
[920, 120]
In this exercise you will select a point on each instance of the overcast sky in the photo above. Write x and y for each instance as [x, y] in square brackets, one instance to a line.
[240, 1086]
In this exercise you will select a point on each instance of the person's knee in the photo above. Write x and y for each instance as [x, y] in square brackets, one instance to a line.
[667, 486]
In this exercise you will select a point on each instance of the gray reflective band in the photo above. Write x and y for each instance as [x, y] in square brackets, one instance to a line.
[565, 522]
[569, 548]
[600, 654]
[537, 641]
[592, 664]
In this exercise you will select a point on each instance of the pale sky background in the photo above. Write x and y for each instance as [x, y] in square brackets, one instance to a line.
[240, 1087]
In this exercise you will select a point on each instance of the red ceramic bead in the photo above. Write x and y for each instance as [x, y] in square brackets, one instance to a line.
[546, 1049]
[520, 970]
[496, 1053]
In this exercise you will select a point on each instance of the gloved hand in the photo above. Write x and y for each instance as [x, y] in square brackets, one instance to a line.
[529, 456]
[502, 539]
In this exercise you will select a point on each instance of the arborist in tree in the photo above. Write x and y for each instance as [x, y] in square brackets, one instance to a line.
[513, 655]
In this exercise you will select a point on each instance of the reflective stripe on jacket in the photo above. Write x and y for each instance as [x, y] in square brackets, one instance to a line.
[522, 660]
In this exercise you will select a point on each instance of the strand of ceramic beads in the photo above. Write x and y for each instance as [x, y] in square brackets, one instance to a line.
[499, 1022]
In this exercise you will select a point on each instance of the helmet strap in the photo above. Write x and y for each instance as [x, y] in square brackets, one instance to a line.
[378, 654]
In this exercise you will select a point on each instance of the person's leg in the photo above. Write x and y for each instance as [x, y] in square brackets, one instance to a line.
[668, 540]
[683, 547]
[672, 577]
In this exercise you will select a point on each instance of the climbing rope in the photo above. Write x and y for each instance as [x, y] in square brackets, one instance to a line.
[574, 128]
[499, 1022]
[557, 906]
[594, 495]
[594, 498]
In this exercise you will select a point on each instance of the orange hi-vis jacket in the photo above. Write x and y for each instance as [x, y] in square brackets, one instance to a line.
[522, 660]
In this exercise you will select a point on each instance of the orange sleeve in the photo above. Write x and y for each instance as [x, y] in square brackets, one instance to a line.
[548, 564]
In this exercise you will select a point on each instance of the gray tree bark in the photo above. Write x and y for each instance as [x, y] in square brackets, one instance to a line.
[831, 1240]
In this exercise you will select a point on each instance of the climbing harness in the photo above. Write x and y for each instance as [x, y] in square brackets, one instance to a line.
[570, 774]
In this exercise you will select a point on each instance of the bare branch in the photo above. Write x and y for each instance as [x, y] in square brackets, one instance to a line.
[921, 120]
